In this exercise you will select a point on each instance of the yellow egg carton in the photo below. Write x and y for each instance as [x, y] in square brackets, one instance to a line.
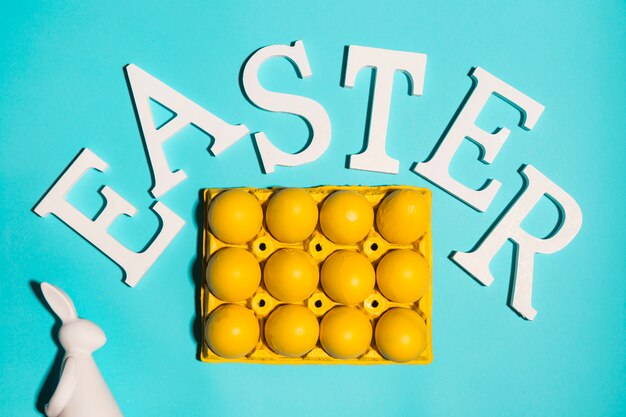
[322, 275]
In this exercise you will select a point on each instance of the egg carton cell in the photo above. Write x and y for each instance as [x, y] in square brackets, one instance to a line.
[322, 275]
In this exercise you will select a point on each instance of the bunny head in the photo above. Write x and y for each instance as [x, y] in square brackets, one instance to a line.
[75, 335]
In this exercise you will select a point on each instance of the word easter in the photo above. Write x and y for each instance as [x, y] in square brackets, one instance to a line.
[386, 63]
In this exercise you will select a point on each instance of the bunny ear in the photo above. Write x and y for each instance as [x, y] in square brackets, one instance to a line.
[59, 302]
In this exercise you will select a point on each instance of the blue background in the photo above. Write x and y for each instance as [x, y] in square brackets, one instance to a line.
[63, 88]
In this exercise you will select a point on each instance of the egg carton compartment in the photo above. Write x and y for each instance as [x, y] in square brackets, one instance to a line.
[257, 315]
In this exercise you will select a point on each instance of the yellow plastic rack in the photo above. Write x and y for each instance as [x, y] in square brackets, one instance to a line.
[374, 246]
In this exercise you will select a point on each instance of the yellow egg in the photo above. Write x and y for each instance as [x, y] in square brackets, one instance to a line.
[291, 275]
[346, 217]
[232, 331]
[345, 333]
[291, 330]
[233, 274]
[235, 216]
[403, 216]
[348, 277]
[400, 335]
[403, 276]
[291, 215]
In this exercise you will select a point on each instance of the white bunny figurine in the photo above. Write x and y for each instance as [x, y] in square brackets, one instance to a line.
[82, 392]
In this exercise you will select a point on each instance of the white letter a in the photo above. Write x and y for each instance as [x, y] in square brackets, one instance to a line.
[145, 87]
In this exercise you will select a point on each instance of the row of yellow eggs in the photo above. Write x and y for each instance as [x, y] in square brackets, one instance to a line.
[291, 275]
[232, 331]
[346, 217]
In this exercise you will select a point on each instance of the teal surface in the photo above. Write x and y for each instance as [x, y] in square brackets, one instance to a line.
[63, 88]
